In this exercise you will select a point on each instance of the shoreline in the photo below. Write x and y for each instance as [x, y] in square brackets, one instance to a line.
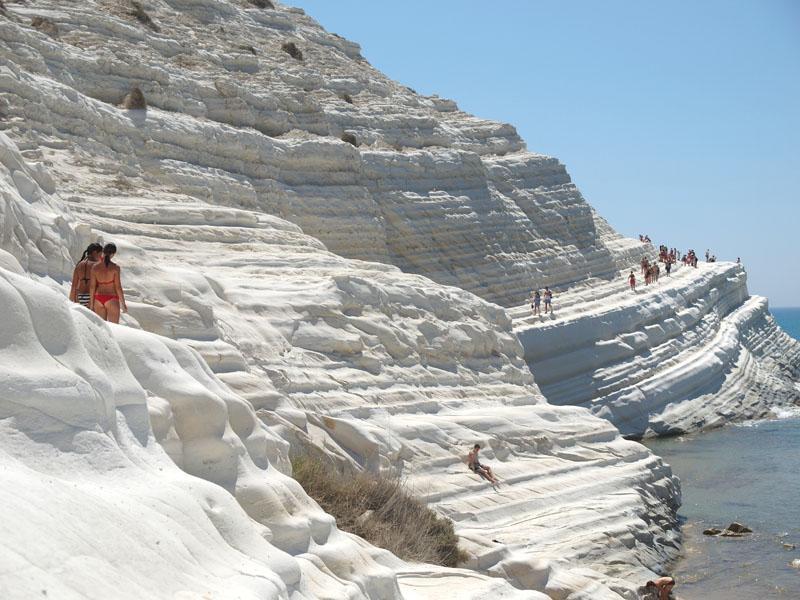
[708, 502]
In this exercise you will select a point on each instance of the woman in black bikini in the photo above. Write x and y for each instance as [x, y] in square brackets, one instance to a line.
[105, 287]
[79, 291]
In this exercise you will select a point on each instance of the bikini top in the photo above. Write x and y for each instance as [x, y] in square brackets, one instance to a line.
[105, 282]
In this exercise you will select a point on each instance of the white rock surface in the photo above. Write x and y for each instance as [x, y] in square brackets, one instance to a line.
[691, 351]
[92, 507]
[254, 330]
[430, 189]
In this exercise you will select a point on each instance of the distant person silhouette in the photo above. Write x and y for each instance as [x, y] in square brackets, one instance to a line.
[536, 301]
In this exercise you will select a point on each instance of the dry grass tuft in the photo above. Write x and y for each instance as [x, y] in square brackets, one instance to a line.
[292, 50]
[350, 139]
[247, 48]
[134, 100]
[380, 510]
[262, 3]
[46, 26]
[138, 11]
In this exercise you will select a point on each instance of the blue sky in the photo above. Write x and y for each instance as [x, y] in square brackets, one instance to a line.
[678, 119]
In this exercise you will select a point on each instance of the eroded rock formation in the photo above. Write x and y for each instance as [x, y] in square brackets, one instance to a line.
[289, 288]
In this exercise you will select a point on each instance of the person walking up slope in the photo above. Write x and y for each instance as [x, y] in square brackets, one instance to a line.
[632, 281]
[81, 276]
[105, 288]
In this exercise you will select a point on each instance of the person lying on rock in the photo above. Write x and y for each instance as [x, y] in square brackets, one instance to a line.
[659, 589]
[475, 465]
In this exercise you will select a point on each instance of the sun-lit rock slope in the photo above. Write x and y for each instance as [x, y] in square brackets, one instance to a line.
[691, 351]
[93, 507]
[244, 222]
[357, 361]
[369, 366]
[237, 121]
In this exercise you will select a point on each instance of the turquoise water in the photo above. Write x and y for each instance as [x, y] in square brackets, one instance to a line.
[746, 473]
[788, 319]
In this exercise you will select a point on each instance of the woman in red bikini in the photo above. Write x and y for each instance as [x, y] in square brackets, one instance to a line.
[105, 288]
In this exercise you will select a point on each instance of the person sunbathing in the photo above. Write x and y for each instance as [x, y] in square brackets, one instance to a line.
[475, 465]
[659, 589]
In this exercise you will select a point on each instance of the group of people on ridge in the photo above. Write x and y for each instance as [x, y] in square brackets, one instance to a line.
[536, 301]
[96, 282]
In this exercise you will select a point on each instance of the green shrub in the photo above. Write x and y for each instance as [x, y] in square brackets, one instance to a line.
[381, 510]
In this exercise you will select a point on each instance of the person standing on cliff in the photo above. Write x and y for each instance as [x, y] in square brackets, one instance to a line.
[548, 300]
[79, 291]
[632, 281]
[536, 300]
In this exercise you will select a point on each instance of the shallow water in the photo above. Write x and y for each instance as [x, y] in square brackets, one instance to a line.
[748, 473]
[745, 473]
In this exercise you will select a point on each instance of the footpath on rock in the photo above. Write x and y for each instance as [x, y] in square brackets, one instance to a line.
[316, 261]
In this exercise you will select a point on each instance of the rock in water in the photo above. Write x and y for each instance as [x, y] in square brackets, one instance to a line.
[712, 531]
[738, 528]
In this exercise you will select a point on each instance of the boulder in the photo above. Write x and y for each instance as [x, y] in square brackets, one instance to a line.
[738, 528]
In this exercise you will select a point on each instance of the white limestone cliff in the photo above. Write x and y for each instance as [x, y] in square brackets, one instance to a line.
[257, 328]
[692, 351]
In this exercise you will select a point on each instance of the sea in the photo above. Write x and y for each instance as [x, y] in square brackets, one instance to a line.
[749, 473]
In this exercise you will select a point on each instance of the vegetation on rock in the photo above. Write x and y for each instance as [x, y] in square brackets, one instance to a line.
[382, 511]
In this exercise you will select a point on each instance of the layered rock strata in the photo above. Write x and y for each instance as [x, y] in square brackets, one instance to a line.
[368, 366]
[692, 351]
[242, 218]
[93, 507]
[235, 120]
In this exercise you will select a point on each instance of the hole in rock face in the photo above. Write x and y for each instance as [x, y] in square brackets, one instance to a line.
[350, 139]
[134, 100]
[44, 25]
[263, 4]
[138, 11]
[292, 50]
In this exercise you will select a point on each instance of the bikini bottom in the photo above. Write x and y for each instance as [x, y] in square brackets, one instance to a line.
[103, 298]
